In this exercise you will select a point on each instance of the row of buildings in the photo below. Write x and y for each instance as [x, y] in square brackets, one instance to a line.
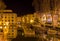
[50, 19]
[42, 18]
[10, 22]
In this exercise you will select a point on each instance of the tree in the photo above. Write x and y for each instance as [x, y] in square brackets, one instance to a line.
[36, 4]
[2, 5]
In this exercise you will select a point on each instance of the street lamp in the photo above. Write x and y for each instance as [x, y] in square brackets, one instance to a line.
[31, 21]
[0, 27]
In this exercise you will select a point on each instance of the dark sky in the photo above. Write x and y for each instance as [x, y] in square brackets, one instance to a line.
[21, 7]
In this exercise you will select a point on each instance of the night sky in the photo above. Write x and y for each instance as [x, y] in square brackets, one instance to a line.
[21, 7]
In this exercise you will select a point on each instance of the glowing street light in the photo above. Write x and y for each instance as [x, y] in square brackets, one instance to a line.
[0, 27]
[7, 23]
[31, 21]
[5, 26]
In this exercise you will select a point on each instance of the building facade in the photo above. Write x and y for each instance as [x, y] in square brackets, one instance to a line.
[8, 23]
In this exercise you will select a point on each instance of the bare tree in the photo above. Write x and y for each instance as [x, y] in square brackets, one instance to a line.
[36, 4]
[41, 5]
[46, 5]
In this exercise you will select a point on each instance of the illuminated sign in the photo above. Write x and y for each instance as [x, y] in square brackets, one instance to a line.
[43, 18]
[49, 18]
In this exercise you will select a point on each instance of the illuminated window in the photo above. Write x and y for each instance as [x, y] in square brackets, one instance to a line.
[44, 18]
[0, 16]
[9, 23]
[49, 18]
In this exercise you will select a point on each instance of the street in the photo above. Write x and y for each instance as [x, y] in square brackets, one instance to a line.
[22, 38]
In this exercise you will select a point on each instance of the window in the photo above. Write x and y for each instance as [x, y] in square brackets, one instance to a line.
[5, 17]
[1, 30]
[12, 17]
[12, 23]
[5, 20]
[1, 17]
[8, 20]
[49, 18]
[12, 36]
[8, 33]
[12, 20]
[12, 30]
[12, 33]
[18, 23]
